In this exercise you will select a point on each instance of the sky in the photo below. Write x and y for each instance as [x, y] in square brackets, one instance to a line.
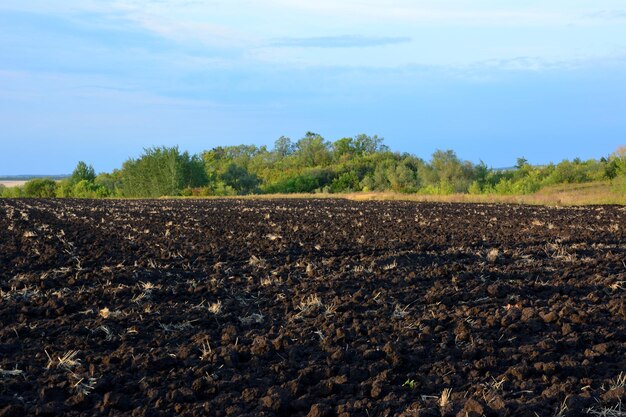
[100, 81]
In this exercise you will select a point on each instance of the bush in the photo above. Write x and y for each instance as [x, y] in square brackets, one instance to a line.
[475, 188]
[223, 190]
[87, 189]
[12, 192]
[306, 182]
[64, 189]
[345, 182]
[40, 188]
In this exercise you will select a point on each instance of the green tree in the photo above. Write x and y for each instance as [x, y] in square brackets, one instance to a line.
[239, 179]
[521, 163]
[83, 172]
[452, 174]
[365, 144]
[312, 151]
[161, 171]
[283, 147]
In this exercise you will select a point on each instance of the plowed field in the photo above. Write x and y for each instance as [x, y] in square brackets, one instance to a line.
[311, 307]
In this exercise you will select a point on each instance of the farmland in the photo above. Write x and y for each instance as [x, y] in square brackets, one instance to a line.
[13, 183]
[301, 307]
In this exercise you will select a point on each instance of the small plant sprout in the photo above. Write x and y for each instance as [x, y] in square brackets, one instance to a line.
[445, 397]
[410, 383]
[215, 308]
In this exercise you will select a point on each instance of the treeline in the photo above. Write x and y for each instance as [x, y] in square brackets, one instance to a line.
[313, 164]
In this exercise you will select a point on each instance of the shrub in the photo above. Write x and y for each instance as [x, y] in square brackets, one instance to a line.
[40, 188]
[345, 182]
[87, 189]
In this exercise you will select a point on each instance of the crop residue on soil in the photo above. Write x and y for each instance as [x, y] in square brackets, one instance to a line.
[310, 307]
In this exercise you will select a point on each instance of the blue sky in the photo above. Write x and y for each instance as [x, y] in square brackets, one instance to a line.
[100, 80]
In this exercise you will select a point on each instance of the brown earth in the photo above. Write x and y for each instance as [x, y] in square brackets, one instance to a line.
[310, 307]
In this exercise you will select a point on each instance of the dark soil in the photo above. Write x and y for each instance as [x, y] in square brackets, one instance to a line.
[310, 307]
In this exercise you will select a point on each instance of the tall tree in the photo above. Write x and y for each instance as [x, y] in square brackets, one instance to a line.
[83, 172]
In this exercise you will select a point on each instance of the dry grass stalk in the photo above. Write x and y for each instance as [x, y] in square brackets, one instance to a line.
[492, 255]
[620, 382]
[205, 351]
[615, 411]
[391, 266]
[85, 387]
[445, 397]
[400, 312]
[13, 372]
[105, 313]
[257, 262]
[562, 408]
[253, 318]
[67, 361]
[215, 308]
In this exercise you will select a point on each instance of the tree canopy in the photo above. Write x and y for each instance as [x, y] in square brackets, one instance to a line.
[314, 164]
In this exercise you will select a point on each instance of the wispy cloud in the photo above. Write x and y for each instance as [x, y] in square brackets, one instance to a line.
[607, 14]
[345, 41]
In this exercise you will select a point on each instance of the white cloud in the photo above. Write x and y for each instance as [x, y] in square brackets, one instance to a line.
[344, 41]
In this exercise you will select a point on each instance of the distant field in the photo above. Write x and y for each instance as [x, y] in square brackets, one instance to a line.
[12, 183]
[599, 192]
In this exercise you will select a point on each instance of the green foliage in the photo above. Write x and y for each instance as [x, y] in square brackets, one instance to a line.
[313, 164]
[306, 182]
[11, 192]
[283, 147]
[112, 182]
[64, 189]
[409, 383]
[87, 189]
[346, 182]
[239, 179]
[448, 174]
[312, 151]
[40, 188]
[161, 171]
[83, 172]
[567, 172]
